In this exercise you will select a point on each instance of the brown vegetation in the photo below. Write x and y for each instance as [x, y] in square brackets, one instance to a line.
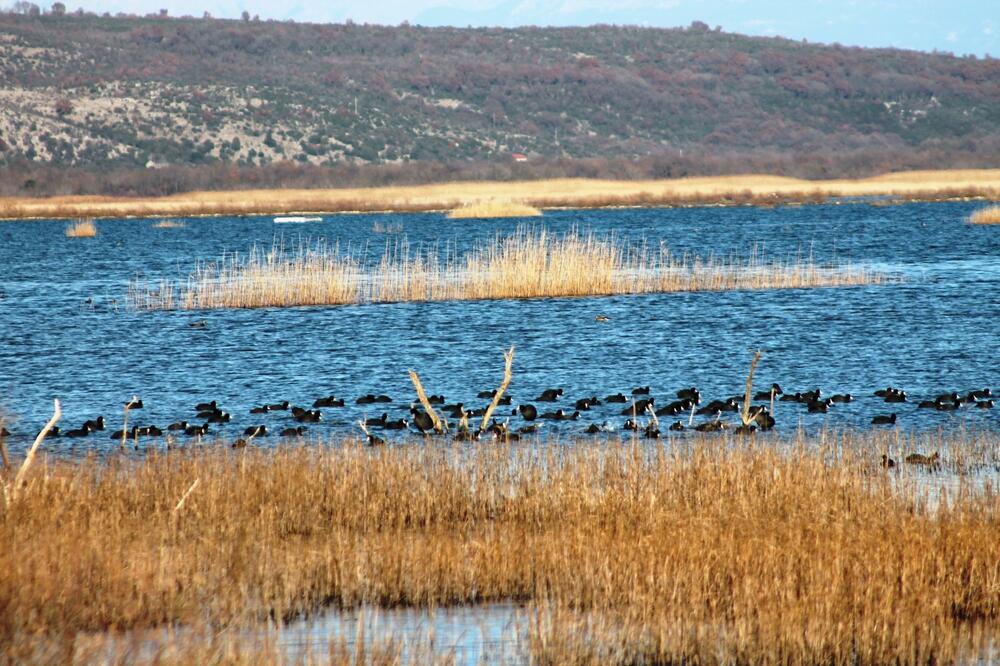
[526, 264]
[989, 215]
[493, 208]
[81, 229]
[557, 193]
[699, 550]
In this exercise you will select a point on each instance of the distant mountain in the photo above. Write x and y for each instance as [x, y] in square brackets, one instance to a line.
[99, 92]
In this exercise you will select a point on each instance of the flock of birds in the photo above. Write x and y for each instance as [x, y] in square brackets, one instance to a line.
[641, 410]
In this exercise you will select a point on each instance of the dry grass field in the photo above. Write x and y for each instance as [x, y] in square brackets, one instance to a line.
[526, 264]
[569, 192]
[698, 550]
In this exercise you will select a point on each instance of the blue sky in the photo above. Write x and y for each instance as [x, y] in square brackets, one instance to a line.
[958, 26]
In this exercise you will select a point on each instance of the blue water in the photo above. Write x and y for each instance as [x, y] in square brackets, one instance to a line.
[66, 333]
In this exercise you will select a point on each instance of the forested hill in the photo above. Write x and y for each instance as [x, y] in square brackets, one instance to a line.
[83, 90]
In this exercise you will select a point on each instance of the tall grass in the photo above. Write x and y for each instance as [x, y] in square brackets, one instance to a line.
[81, 229]
[802, 550]
[526, 264]
[494, 208]
[989, 215]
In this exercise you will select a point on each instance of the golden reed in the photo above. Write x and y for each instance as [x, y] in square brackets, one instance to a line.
[701, 550]
[526, 264]
[989, 215]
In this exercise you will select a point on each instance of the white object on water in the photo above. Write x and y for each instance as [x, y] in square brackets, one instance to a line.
[291, 219]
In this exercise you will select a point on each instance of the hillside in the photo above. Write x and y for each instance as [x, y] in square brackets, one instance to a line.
[100, 93]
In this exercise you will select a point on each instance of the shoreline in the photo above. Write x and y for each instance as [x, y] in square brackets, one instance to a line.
[554, 194]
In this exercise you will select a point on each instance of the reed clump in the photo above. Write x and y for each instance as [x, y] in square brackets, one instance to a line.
[989, 215]
[81, 229]
[803, 550]
[169, 224]
[526, 264]
[494, 209]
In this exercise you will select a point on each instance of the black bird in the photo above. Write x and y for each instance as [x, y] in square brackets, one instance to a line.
[529, 412]
[487, 394]
[398, 424]
[506, 400]
[583, 404]
[948, 406]
[710, 426]
[205, 407]
[307, 416]
[790, 397]
[256, 431]
[436, 399]
[888, 462]
[293, 432]
[676, 426]
[150, 431]
[691, 394]
[842, 397]
[278, 406]
[329, 401]
[259, 410]
[221, 417]
[196, 430]
[927, 404]
[810, 396]
[727, 405]
[54, 432]
[95, 424]
[422, 420]
[375, 440]
[630, 424]
[383, 398]
[947, 397]
[592, 429]
[78, 432]
[639, 407]
[134, 403]
[818, 406]
[766, 395]
[896, 397]
[456, 411]
[119, 434]
[365, 399]
[617, 397]
[675, 408]
[377, 422]
[981, 393]
[642, 390]
[550, 395]
[532, 428]
[651, 431]
[985, 404]
[561, 415]
[240, 444]
[889, 390]
[4, 432]
[882, 419]
[180, 425]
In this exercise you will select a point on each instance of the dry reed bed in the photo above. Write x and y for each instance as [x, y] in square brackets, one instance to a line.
[989, 215]
[564, 192]
[527, 264]
[81, 229]
[493, 209]
[704, 550]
